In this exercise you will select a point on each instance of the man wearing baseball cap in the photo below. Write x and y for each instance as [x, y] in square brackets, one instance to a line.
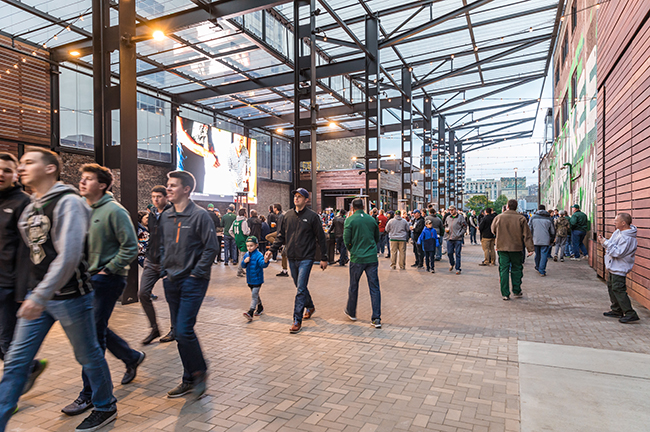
[299, 232]
[579, 227]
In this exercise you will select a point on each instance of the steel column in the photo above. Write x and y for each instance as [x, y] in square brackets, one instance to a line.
[372, 103]
[442, 132]
[55, 126]
[101, 80]
[451, 169]
[460, 174]
[427, 153]
[407, 144]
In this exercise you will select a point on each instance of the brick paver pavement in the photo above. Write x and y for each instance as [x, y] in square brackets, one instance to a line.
[445, 360]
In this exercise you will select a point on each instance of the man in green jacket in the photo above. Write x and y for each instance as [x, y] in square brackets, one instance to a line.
[361, 235]
[579, 227]
[229, 246]
[112, 246]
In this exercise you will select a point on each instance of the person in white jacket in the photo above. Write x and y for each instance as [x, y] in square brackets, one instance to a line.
[619, 260]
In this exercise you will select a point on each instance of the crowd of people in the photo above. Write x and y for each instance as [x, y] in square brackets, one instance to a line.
[66, 252]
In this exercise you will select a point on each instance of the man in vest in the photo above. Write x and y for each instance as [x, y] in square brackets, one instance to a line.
[239, 231]
[54, 226]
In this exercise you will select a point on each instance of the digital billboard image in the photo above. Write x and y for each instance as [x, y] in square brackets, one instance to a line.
[222, 162]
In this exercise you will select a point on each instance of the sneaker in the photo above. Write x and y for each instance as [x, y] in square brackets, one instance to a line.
[613, 314]
[308, 313]
[457, 272]
[376, 323]
[37, 370]
[169, 337]
[451, 268]
[575, 259]
[97, 420]
[15, 410]
[482, 264]
[295, 328]
[628, 319]
[519, 294]
[225, 263]
[433, 270]
[259, 311]
[248, 316]
[352, 318]
[555, 258]
[77, 407]
[283, 274]
[506, 298]
[131, 371]
[393, 267]
[200, 383]
[180, 390]
[154, 296]
[561, 259]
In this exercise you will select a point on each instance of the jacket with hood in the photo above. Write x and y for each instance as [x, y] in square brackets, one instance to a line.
[189, 243]
[112, 241]
[620, 250]
[436, 223]
[512, 232]
[542, 228]
[155, 234]
[562, 226]
[54, 227]
[398, 229]
[429, 239]
[12, 248]
[254, 268]
[579, 221]
[485, 227]
[418, 227]
[457, 226]
[300, 232]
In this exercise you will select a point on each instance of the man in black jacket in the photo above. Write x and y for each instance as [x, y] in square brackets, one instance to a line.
[301, 228]
[416, 230]
[255, 225]
[13, 258]
[337, 228]
[151, 271]
[189, 248]
[487, 238]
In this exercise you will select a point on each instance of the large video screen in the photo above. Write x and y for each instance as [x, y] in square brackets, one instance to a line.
[223, 163]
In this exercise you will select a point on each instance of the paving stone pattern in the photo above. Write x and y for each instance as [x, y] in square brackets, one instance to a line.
[445, 359]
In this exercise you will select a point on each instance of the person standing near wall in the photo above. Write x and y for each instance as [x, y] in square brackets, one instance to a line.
[562, 230]
[229, 245]
[417, 227]
[579, 228]
[543, 232]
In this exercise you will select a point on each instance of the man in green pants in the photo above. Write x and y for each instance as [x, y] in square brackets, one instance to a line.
[512, 234]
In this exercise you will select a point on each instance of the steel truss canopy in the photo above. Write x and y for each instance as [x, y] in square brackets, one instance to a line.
[480, 63]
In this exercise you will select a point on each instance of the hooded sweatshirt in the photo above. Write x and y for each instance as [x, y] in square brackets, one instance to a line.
[456, 226]
[398, 229]
[620, 250]
[54, 227]
[542, 228]
[12, 248]
[112, 241]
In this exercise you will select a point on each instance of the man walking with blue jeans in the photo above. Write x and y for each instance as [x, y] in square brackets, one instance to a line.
[543, 232]
[189, 248]
[301, 229]
[455, 228]
[579, 227]
[230, 247]
[54, 227]
[361, 234]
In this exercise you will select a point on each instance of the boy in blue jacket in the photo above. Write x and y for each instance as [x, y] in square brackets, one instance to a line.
[254, 263]
[429, 241]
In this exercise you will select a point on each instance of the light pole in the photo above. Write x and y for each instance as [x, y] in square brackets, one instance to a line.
[516, 199]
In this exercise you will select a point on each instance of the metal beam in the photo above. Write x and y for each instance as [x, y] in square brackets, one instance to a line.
[493, 92]
[518, 135]
[473, 125]
[437, 21]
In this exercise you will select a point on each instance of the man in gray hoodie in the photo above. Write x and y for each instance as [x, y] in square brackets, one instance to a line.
[398, 232]
[54, 227]
[543, 231]
[619, 260]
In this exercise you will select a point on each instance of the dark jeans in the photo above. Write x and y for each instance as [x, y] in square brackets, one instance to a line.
[511, 265]
[150, 276]
[356, 270]
[472, 235]
[185, 297]
[577, 242]
[419, 254]
[439, 249]
[343, 252]
[108, 288]
[300, 271]
[230, 249]
[430, 257]
[76, 318]
[8, 309]
[383, 242]
[617, 289]
[541, 258]
[454, 247]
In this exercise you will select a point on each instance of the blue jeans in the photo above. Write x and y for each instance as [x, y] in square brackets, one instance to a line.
[356, 270]
[76, 317]
[430, 259]
[439, 249]
[454, 247]
[578, 245]
[343, 252]
[541, 257]
[108, 289]
[300, 271]
[185, 297]
[383, 240]
[472, 235]
[230, 249]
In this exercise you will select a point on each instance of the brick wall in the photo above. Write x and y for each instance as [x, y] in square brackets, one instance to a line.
[337, 154]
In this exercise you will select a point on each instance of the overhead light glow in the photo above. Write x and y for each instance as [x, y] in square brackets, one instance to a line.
[74, 53]
[158, 35]
[279, 130]
[332, 124]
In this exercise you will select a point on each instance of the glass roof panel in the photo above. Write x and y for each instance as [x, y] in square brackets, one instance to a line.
[150, 9]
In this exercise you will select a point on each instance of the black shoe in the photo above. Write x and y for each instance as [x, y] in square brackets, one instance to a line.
[613, 314]
[259, 311]
[506, 298]
[225, 263]
[628, 319]
[376, 323]
[414, 265]
[37, 369]
[96, 420]
[180, 390]
[283, 274]
[155, 333]
[200, 383]
[154, 297]
[80, 405]
[169, 337]
[132, 371]
[519, 294]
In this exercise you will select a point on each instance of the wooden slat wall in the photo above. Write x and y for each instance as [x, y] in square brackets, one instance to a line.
[24, 97]
[624, 154]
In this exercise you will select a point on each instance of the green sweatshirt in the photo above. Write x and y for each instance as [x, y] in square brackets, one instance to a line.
[112, 242]
[579, 221]
[361, 235]
[227, 221]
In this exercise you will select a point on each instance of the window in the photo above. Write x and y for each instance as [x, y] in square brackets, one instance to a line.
[565, 47]
[557, 126]
[574, 88]
[574, 16]
[263, 154]
[565, 110]
[281, 159]
[557, 74]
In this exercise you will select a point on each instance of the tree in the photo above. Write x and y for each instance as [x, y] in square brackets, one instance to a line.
[478, 203]
[499, 203]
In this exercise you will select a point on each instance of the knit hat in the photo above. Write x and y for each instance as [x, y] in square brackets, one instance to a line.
[251, 239]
